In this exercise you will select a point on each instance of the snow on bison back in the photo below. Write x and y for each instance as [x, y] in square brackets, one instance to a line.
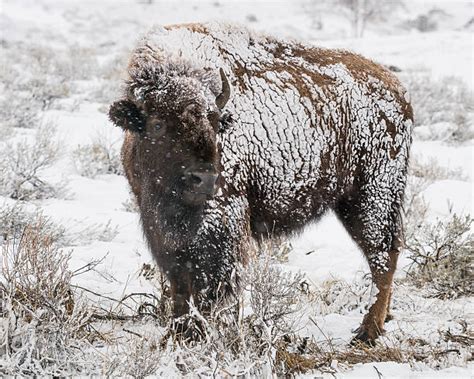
[231, 135]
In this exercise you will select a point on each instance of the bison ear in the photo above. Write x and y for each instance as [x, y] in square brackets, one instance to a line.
[125, 114]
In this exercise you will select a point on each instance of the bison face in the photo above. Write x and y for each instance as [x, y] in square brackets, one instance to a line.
[177, 156]
[175, 148]
[186, 155]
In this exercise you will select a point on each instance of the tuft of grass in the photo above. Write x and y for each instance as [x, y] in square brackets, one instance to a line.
[130, 205]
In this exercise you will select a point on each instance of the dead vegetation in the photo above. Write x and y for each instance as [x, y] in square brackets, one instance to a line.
[15, 217]
[57, 331]
[444, 107]
[23, 164]
[261, 332]
[99, 158]
[441, 255]
[43, 326]
[440, 250]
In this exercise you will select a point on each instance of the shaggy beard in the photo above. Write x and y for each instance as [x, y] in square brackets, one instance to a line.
[176, 221]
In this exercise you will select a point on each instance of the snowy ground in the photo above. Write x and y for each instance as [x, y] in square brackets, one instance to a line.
[94, 37]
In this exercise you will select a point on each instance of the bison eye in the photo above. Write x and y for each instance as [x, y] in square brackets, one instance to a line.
[158, 128]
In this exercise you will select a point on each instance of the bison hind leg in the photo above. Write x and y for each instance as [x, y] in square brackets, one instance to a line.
[372, 218]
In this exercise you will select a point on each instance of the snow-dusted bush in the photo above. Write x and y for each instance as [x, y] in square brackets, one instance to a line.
[111, 73]
[34, 76]
[106, 93]
[423, 23]
[23, 162]
[43, 326]
[441, 255]
[15, 218]
[130, 205]
[420, 175]
[99, 158]
[337, 296]
[76, 63]
[276, 296]
[104, 232]
[440, 250]
[443, 107]
[464, 126]
[25, 93]
[239, 337]
[277, 249]
[34, 270]
[140, 357]
[18, 109]
[430, 170]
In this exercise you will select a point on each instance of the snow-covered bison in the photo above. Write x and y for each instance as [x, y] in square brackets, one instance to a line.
[231, 135]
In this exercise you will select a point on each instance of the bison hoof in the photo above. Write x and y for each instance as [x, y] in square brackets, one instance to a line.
[389, 317]
[365, 336]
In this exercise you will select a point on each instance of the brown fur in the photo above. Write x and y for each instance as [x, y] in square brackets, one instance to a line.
[199, 257]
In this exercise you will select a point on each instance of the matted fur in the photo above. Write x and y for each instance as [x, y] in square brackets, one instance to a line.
[306, 129]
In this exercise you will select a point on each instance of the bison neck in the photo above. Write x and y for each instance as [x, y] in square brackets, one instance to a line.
[197, 250]
[168, 223]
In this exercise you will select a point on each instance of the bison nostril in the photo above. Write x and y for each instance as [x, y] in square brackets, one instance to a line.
[195, 180]
[201, 182]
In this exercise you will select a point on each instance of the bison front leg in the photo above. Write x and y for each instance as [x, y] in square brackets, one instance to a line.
[373, 221]
[182, 325]
[181, 292]
[206, 271]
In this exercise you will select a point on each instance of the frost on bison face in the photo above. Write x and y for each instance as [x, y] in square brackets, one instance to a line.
[232, 135]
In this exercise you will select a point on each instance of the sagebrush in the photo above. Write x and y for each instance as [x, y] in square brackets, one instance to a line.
[44, 328]
[25, 161]
[99, 158]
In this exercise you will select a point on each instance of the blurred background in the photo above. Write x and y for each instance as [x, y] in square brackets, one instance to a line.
[62, 64]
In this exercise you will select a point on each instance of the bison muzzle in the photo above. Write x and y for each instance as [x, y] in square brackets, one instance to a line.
[231, 135]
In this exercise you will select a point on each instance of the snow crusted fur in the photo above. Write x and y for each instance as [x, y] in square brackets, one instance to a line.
[305, 130]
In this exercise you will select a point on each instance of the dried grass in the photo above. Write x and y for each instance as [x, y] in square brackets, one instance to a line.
[44, 327]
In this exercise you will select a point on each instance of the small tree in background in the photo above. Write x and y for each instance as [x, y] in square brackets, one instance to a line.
[361, 12]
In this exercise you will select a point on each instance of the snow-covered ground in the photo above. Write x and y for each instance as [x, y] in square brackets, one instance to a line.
[96, 36]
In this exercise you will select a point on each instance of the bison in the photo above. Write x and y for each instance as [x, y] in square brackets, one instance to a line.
[232, 136]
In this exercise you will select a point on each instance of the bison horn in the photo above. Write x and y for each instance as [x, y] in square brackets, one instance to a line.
[221, 100]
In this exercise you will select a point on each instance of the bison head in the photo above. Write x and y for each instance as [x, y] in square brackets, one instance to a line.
[174, 114]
